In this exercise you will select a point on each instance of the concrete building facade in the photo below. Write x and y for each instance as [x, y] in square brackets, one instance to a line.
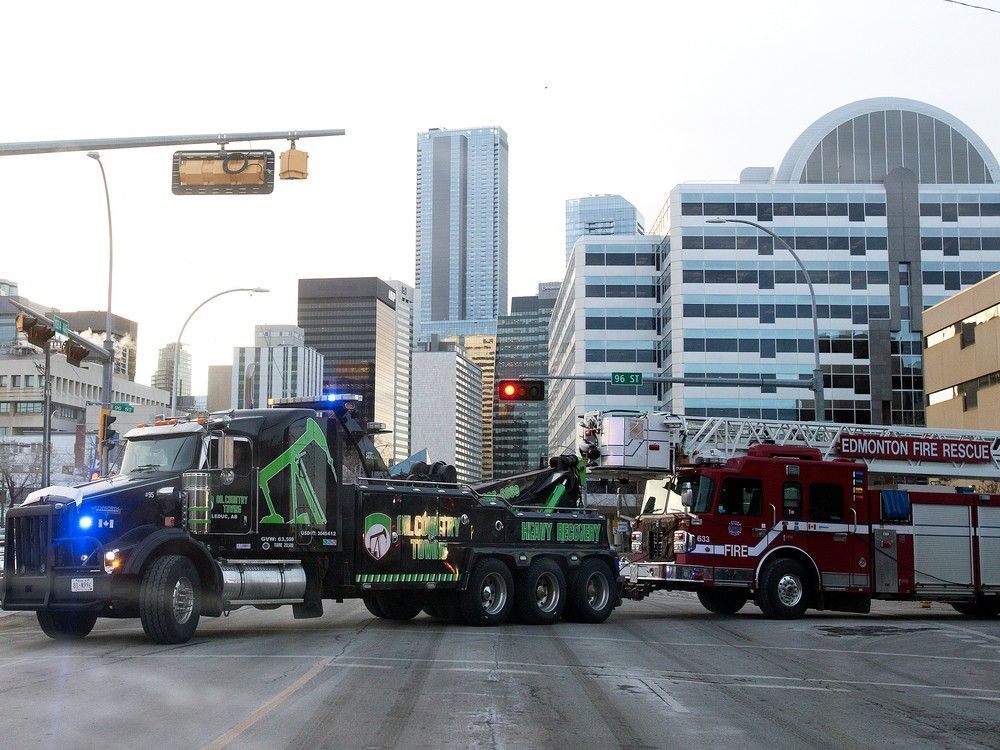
[447, 408]
[602, 215]
[163, 376]
[962, 358]
[283, 367]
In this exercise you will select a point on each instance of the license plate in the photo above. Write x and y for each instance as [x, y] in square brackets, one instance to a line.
[81, 584]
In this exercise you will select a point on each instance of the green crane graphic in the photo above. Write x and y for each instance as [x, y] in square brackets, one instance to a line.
[298, 479]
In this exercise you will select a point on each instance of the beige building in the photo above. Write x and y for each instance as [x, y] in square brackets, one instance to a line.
[220, 396]
[962, 358]
[482, 350]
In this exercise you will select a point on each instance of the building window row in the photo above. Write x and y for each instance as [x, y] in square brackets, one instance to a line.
[769, 348]
[951, 211]
[966, 328]
[773, 313]
[620, 259]
[967, 391]
[621, 323]
[767, 279]
[766, 211]
[621, 355]
[764, 245]
[952, 245]
[606, 389]
[642, 291]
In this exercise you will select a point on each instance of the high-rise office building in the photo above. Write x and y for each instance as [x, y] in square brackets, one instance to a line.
[163, 376]
[354, 323]
[482, 350]
[600, 214]
[604, 320]
[283, 367]
[520, 428]
[461, 253]
[447, 407]
[91, 325]
[891, 204]
[405, 295]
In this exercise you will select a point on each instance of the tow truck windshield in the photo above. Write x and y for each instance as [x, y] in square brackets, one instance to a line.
[161, 454]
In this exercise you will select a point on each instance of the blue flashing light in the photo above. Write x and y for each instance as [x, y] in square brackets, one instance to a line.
[331, 397]
[86, 522]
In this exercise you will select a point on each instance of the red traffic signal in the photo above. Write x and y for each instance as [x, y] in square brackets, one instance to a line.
[521, 390]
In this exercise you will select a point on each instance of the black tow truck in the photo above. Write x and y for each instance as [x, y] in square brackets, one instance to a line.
[292, 506]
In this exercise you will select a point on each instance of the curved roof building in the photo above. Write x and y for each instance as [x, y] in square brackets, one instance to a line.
[891, 204]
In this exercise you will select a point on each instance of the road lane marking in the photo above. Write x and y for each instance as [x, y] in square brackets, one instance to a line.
[223, 740]
[787, 687]
[665, 696]
[965, 697]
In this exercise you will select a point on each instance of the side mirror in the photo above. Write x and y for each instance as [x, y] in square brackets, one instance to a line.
[227, 459]
[687, 498]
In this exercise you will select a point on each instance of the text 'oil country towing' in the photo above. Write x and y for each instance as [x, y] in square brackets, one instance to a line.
[915, 449]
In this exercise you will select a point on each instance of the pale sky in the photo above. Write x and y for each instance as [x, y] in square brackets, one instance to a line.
[613, 97]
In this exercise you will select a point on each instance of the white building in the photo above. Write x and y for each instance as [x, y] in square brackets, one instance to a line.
[446, 408]
[404, 349]
[283, 367]
[604, 321]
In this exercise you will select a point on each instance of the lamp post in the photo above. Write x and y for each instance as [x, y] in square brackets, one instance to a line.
[177, 344]
[819, 402]
[109, 344]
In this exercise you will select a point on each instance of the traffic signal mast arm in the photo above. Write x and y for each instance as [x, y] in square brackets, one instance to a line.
[96, 349]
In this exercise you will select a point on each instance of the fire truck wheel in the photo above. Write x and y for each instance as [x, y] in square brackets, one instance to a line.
[170, 599]
[489, 596]
[979, 609]
[541, 592]
[398, 605]
[723, 601]
[66, 626]
[784, 590]
[371, 604]
[591, 593]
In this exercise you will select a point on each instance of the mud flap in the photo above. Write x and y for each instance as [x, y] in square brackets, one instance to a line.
[312, 604]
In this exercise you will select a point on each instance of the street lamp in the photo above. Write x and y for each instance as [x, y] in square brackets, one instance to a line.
[819, 402]
[177, 344]
[109, 343]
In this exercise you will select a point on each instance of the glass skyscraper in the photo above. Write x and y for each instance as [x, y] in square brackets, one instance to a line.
[461, 253]
[600, 214]
[892, 205]
[520, 429]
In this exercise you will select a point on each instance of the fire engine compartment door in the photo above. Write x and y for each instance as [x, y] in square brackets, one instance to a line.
[942, 547]
[989, 547]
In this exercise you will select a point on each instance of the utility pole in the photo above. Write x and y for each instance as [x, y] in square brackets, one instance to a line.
[47, 418]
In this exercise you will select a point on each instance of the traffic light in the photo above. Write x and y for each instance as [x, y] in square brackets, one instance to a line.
[74, 352]
[521, 390]
[37, 331]
[223, 172]
[104, 432]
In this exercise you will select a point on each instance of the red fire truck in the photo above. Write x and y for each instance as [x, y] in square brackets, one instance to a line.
[798, 515]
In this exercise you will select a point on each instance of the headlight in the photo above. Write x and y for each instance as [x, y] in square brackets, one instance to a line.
[112, 561]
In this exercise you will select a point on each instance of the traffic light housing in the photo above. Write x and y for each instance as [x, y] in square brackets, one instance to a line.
[521, 390]
[223, 172]
[37, 331]
[104, 432]
[75, 353]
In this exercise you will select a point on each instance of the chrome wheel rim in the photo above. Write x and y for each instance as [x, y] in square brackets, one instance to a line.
[493, 593]
[182, 600]
[789, 590]
[547, 592]
[597, 591]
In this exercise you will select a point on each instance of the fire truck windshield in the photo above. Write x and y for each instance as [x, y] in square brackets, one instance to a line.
[701, 491]
[161, 454]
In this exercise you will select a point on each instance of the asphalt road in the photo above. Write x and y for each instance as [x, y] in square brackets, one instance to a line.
[660, 673]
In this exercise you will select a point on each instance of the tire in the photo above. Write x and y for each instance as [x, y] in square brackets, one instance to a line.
[541, 593]
[489, 598]
[591, 593]
[66, 626]
[723, 601]
[785, 592]
[170, 599]
[980, 609]
[372, 605]
[399, 605]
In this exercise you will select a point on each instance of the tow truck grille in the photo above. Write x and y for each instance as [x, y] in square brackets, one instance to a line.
[27, 544]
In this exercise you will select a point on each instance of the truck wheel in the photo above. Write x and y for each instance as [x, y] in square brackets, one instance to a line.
[591, 593]
[980, 609]
[784, 590]
[372, 605]
[489, 596]
[170, 599]
[723, 601]
[398, 605]
[541, 592]
[66, 626]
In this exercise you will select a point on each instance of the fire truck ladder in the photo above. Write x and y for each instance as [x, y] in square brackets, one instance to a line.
[720, 438]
